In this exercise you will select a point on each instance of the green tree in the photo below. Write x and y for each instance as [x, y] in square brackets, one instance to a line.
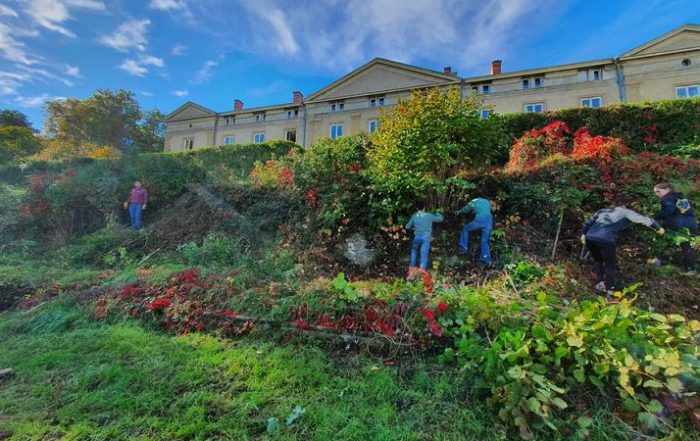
[14, 118]
[108, 118]
[149, 135]
[423, 147]
[17, 142]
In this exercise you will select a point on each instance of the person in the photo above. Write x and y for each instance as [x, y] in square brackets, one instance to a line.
[600, 237]
[483, 220]
[422, 224]
[138, 200]
[678, 215]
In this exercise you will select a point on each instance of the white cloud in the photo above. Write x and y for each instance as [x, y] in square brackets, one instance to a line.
[50, 14]
[178, 50]
[168, 5]
[144, 93]
[129, 35]
[10, 82]
[12, 49]
[133, 68]
[153, 61]
[203, 74]
[36, 101]
[73, 71]
[285, 43]
[180, 93]
[4, 10]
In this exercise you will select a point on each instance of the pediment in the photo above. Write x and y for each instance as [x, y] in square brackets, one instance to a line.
[685, 37]
[189, 110]
[379, 76]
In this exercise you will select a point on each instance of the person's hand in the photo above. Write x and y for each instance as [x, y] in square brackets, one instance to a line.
[660, 231]
[583, 239]
[144, 206]
[125, 205]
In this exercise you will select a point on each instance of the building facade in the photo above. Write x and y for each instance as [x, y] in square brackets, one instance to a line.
[664, 68]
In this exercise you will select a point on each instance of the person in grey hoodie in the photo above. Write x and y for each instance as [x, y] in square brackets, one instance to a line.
[600, 237]
[422, 224]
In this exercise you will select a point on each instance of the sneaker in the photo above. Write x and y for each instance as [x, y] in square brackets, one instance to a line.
[600, 287]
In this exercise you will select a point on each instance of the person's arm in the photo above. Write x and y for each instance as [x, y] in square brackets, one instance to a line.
[637, 218]
[438, 217]
[466, 209]
[589, 222]
[668, 209]
[409, 225]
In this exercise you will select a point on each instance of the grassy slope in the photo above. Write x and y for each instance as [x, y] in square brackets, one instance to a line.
[76, 379]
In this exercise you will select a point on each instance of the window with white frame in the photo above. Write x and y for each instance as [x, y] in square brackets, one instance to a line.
[538, 82]
[259, 117]
[337, 107]
[485, 113]
[372, 126]
[534, 107]
[188, 143]
[291, 135]
[230, 120]
[381, 101]
[229, 140]
[526, 83]
[289, 114]
[593, 101]
[373, 102]
[259, 137]
[336, 131]
[595, 74]
[485, 89]
[687, 91]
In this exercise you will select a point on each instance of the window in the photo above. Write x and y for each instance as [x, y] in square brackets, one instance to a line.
[260, 117]
[289, 114]
[336, 131]
[594, 102]
[373, 102]
[485, 113]
[486, 89]
[259, 137]
[526, 84]
[372, 126]
[534, 107]
[291, 135]
[188, 143]
[337, 107]
[687, 91]
[229, 140]
[590, 75]
[539, 82]
[381, 101]
[230, 120]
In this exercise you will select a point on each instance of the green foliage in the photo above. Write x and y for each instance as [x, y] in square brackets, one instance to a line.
[14, 118]
[524, 273]
[17, 143]
[217, 249]
[659, 126]
[421, 143]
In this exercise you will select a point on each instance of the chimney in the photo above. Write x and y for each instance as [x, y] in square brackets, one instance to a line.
[298, 97]
[495, 67]
[447, 70]
[237, 105]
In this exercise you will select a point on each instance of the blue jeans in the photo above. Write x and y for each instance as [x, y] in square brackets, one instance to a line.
[135, 215]
[424, 244]
[485, 225]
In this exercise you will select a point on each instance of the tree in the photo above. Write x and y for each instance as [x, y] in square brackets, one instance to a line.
[107, 118]
[423, 147]
[14, 118]
[150, 133]
[17, 142]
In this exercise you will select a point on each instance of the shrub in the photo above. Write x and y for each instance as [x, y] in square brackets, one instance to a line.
[217, 248]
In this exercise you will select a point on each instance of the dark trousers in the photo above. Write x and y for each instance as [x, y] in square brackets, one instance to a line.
[604, 262]
[688, 252]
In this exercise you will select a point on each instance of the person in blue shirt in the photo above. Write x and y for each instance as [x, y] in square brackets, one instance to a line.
[483, 220]
[678, 215]
[422, 225]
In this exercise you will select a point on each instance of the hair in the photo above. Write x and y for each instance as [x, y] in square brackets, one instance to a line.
[665, 186]
[622, 199]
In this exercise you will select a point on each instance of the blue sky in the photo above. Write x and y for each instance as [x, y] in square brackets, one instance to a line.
[259, 51]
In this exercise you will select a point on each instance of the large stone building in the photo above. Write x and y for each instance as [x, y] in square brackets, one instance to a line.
[664, 68]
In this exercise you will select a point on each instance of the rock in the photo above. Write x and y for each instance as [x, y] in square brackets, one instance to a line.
[6, 373]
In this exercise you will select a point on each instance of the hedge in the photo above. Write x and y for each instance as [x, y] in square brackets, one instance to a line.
[666, 127]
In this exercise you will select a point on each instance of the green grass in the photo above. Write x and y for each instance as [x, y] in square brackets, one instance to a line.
[80, 380]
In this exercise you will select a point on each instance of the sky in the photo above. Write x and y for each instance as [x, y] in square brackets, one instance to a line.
[211, 52]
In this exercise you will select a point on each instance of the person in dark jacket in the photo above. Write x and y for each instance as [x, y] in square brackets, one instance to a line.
[678, 215]
[600, 233]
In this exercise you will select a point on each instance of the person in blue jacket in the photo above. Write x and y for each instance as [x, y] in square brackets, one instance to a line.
[483, 220]
[600, 233]
[422, 224]
[678, 215]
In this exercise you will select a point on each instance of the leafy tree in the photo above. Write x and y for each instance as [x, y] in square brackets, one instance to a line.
[424, 145]
[107, 118]
[17, 142]
[14, 118]
[149, 135]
